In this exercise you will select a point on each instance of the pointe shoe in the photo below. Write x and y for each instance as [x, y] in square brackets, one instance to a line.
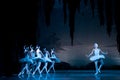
[96, 73]
[48, 71]
[40, 72]
[33, 73]
[19, 74]
[99, 71]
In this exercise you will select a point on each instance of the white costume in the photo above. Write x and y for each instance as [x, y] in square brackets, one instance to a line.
[38, 59]
[27, 60]
[47, 59]
[54, 60]
[39, 56]
[96, 55]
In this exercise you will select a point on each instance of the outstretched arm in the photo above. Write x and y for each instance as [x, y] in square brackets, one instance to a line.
[90, 54]
[103, 52]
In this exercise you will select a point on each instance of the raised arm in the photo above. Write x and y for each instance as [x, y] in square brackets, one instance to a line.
[24, 47]
[52, 51]
[41, 53]
[48, 54]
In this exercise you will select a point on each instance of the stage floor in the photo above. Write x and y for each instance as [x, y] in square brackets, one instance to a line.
[69, 75]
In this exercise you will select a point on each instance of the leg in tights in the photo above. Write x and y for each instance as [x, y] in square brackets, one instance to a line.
[37, 68]
[101, 64]
[45, 67]
[96, 67]
[51, 67]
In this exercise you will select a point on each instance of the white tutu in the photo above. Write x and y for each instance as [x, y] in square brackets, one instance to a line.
[26, 60]
[55, 59]
[38, 59]
[47, 59]
[93, 58]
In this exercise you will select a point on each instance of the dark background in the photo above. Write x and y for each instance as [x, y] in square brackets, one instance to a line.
[21, 26]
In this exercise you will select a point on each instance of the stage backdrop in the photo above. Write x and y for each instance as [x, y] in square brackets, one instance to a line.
[87, 32]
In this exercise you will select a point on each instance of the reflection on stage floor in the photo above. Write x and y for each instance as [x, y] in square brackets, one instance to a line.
[69, 75]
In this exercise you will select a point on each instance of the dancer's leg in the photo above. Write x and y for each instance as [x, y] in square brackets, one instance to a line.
[27, 68]
[33, 67]
[37, 68]
[45, 67]
[52, 66]
[22, 71]
[102, 63]
[96, 67]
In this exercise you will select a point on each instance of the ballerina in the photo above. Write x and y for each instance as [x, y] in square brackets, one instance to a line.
[97, 57]
[32, 52]
[32, 56]
[38, 59]
[25, 60]
[54, 60]
[47, 59]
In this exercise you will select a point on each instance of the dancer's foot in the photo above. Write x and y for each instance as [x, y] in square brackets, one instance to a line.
[41, 72]
[28, 73]
[99, 71]
[96, 73]
[19, 74]
[48, 71]
[33, 73]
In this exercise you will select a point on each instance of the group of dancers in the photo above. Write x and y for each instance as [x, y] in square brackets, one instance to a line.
[34, 57]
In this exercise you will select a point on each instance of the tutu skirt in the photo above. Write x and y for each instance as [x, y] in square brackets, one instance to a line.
[55, 59]
[26, 60]
[47, 59]
[38, 59]
[94, 58]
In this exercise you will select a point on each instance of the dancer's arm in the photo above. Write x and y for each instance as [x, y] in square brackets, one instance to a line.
[103, 52]
[51, 53]
[48, 54]
[90, 54]
[24, 47]
[42, 53]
